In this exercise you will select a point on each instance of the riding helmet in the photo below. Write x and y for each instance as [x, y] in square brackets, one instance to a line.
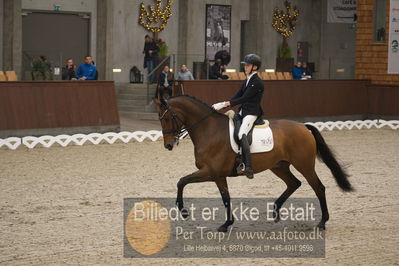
[252, 59]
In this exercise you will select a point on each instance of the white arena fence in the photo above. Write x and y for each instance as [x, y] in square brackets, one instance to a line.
[154, 135]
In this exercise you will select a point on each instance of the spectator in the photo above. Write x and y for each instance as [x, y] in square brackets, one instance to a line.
[184, 74]
[297, 71]
[306, 70]
[165, 84]
[150, 52]
[216, 71]
[224, 56]
[86, 71]
[69, 71]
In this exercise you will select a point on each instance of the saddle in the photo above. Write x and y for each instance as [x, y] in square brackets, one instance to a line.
[260, 140]
[260, 137]
[237, 120]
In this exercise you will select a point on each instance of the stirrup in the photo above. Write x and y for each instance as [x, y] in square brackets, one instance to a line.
[241, 169]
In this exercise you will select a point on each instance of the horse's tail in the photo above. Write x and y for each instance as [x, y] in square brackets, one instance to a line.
[325, 154]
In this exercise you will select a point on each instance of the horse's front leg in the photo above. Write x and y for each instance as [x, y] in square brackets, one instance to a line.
[224, 192]
[201, 175]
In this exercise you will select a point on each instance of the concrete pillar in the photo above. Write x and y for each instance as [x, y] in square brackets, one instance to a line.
[12, 36]
[255, 27]
[104, 39]
[182, 33]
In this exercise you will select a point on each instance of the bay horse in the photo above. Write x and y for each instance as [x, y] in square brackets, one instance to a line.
[294, 143]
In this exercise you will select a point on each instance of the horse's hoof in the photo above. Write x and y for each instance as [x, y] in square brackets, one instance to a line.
[322, 226]
[249, 173]
[250, 176]
[222, 229]
[184, 213]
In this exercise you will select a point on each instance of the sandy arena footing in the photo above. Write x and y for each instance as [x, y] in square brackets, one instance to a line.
[65, 205]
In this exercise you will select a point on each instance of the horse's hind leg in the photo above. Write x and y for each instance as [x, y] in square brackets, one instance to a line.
[318, 187]
[282, 170]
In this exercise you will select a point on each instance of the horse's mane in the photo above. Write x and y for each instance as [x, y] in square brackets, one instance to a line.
[195, 100]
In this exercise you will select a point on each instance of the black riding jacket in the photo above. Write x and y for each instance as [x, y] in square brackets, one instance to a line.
[250, 97]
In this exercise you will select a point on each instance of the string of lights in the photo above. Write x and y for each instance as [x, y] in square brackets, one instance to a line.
[284, 23]
[155, 15]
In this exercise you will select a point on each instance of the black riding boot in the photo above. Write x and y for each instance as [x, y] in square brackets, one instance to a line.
[245, 167]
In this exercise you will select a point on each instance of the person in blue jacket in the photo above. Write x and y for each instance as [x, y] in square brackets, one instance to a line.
[297, 71]
[86, 71]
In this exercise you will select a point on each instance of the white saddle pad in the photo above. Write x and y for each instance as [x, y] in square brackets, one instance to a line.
[262, 139]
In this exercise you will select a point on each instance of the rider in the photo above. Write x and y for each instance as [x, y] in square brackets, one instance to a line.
[249, 96]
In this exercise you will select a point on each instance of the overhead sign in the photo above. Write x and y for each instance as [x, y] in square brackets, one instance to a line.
[393, 43]
[341, 11]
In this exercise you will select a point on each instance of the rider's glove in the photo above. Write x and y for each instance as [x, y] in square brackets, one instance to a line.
[218, 106]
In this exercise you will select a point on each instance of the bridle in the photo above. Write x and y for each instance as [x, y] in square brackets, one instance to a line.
[179, 131]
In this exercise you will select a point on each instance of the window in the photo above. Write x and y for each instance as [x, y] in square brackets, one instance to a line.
[380, 16]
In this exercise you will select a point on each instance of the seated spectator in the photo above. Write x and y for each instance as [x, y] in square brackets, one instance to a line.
[86, 71]
[184, 74]
[165, 84]
[297, 71]
[68, 72]
[306, 70]
[216, 71]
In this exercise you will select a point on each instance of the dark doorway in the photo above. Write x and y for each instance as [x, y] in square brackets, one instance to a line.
[57, 36]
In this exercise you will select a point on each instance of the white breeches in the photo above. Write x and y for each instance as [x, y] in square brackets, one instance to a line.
[246, 125]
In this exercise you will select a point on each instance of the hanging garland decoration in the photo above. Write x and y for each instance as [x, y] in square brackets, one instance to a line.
[284, 23]
[155, 15]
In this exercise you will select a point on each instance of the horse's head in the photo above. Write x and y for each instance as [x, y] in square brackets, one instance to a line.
[170, 122]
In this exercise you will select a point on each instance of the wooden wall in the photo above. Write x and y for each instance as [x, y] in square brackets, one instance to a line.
[307, 99]
[371, 57]
[57, 104]
[383, 100]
